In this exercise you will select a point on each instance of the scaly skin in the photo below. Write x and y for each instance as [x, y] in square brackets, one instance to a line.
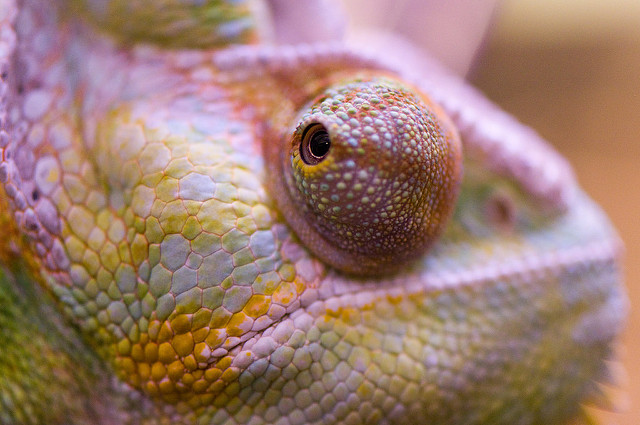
[155, 270]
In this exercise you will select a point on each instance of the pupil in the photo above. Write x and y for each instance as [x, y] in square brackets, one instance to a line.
[315, 144]
[319, 144]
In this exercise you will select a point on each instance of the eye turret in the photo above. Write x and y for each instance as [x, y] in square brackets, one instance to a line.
[370, 175]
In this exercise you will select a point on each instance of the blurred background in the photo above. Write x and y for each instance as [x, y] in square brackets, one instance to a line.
[571, 70]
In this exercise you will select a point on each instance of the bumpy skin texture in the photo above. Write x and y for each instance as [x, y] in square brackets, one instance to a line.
[149, 277]
[387, 185]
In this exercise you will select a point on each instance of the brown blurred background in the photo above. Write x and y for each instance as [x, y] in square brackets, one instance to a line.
[571, 70]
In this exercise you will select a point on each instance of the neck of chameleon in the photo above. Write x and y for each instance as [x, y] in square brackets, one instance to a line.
[174, 24]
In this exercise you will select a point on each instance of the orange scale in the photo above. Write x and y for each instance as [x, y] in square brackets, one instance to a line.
[166, 333]
[190, 363]
[200, 335]
[181, 324]
[176, 370]
[137, 352]
[257, 306]
[158, 371]
[183, 344]
[167, 387]
[187, 380]
[215, 338]
[212, 374]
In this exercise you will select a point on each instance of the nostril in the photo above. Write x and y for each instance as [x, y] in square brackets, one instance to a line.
[500, 210]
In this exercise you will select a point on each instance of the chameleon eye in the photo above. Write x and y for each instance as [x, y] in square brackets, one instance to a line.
[369, 176]
[315, 144]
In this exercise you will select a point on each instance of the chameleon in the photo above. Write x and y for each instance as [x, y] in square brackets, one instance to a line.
[201, 226]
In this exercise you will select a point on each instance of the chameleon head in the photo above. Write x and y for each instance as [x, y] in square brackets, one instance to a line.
[142, 198]
[370, 175]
